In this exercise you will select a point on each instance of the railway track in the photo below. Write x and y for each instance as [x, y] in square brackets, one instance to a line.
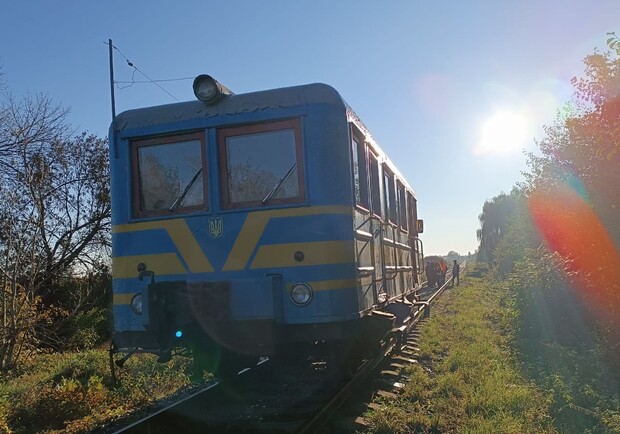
[342, 414]
[272, 398]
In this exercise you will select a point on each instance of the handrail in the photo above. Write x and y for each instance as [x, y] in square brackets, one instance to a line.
[389, 250]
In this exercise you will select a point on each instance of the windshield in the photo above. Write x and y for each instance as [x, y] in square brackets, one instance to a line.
[169, 175]
[261, 164]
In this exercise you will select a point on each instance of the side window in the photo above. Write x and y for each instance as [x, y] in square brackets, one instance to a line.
[402, 205]
[390, 196]
[261, 164]
[411, 213]
[360, 175]
[168, 175]
[375, 187]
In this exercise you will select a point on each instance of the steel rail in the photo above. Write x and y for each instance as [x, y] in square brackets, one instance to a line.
[313, 424]
[150, 417]
[322, 416]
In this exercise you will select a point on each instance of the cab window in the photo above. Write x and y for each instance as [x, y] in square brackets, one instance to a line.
[261, 164]
[168, 175]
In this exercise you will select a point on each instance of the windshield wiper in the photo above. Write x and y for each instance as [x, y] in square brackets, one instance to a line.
[180, 199]
[276, 187]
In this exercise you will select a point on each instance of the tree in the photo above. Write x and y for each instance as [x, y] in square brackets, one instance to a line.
[572, 187]
[557, 254]
[452, 255]
[494, 221]
[55, 221]
[582, 149]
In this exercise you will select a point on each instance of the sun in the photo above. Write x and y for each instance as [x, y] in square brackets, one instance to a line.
[504, 133]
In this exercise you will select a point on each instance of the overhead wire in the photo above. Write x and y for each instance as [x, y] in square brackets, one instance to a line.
[155, 81]
[149, 79]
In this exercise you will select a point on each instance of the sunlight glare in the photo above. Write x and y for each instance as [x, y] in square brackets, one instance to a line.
[504, 133]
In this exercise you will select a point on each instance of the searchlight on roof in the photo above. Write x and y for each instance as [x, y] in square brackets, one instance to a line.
[208, 90]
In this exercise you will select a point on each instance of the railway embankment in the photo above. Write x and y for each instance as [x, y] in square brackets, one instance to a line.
[468, 377]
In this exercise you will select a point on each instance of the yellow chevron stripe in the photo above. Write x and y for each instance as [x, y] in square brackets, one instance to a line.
[315, 253]
[142, 226]
[182, 238]
[122, 298]
[124, 267]
[255, 224]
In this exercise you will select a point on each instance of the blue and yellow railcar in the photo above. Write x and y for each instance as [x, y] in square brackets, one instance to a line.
[256, 222]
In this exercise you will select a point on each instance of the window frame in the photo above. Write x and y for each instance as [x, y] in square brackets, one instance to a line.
[137, 143]
[375, 200]
[412, 215]
[263, 127]
[358, 149]
[401, 200]
[389, 190]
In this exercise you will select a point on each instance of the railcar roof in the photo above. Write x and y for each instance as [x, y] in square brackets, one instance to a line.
[316, 93]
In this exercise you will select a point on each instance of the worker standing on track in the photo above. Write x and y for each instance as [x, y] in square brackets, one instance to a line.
[444, 269]
[430, 277]
[455, 273]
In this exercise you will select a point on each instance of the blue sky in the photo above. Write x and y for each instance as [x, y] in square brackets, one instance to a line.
[453, 90]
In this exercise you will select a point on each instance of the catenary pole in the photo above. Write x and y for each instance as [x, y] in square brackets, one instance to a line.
[111, 55]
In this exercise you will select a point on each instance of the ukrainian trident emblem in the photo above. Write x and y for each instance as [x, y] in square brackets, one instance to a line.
[216, 226]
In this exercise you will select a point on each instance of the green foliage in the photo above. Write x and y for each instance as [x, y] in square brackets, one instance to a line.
[71, 393]
[494, 221]
[560, 347]
[89, 328]
[468, 379]
[582, 148]
[54, 225]
[567, 350]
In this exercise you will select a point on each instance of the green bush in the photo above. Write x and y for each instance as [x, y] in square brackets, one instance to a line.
[72, 393]
[89, 328]
[560, 345]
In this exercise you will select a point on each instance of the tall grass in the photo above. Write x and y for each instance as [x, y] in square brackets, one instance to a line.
[468, 379]
[72, 393]
[564, 350]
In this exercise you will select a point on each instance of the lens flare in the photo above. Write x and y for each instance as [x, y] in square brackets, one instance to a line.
[571, 228]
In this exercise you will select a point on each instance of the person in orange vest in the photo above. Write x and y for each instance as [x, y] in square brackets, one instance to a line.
[444, 269]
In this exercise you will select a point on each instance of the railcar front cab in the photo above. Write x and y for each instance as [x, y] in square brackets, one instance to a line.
[387, 250]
